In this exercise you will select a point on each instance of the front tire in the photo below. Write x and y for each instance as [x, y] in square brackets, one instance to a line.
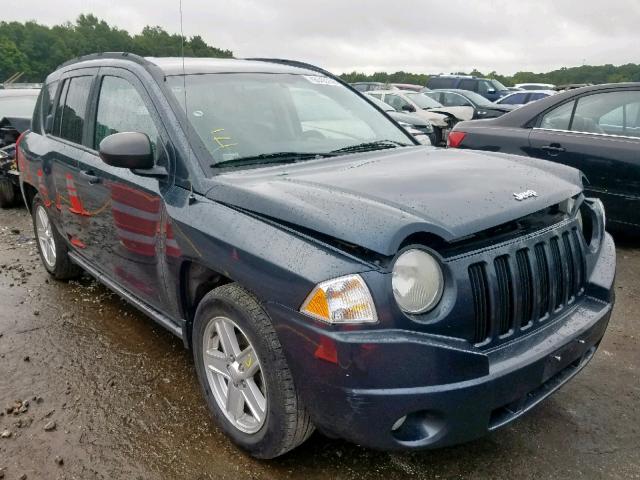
[244, 375]
[51, 246]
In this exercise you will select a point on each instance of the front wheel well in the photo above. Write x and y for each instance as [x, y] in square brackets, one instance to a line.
[29, 193]
[196, 281]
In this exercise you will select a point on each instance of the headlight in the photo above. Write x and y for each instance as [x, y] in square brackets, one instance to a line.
[342, 300]
[417, 281]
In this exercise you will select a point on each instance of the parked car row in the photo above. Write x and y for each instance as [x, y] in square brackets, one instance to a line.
[16, 108]
[324, 268]
[595, 129]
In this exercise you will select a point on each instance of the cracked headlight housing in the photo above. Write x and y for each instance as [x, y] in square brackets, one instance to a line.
[417, 281]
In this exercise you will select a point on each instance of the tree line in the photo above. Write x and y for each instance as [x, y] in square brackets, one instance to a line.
[563, 76]
[37, 49]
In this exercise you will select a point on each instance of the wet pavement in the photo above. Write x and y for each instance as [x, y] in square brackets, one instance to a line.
[109, 394]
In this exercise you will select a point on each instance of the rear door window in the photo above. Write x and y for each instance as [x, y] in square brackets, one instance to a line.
[74, 109]
[559, 118]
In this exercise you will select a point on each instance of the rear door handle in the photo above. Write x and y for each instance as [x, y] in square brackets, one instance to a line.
[91, 176]
[553, 149]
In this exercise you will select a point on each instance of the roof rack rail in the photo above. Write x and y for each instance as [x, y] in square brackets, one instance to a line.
[296, 63]
[115, 55]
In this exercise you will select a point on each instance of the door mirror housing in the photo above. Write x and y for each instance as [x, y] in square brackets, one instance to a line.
[127, 150]
[491, 91]
[408, 108]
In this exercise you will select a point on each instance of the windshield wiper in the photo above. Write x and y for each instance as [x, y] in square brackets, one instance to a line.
[268, 158]
[371, 146]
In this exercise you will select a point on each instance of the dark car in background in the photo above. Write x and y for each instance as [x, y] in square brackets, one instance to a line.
[525, 96]
[325, 269]
[482, 108]
[16, 109]
[595, 129]
[488, 88]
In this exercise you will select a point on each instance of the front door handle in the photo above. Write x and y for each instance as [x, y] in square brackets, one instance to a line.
[91, 176]
[553, 149]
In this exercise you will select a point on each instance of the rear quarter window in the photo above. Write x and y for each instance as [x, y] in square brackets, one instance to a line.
[72, 109]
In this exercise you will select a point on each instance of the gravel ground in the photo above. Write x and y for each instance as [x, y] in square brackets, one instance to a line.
[90, 388]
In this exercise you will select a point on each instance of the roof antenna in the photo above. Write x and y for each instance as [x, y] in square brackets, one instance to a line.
[192, 197]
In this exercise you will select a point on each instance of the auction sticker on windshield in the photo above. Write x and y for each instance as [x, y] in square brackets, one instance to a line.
[319, 80]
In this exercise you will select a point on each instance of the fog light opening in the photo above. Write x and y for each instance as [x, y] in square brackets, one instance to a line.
[418, 427]
[398, 423]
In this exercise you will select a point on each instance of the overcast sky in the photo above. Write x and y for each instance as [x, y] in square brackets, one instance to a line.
[382, 35]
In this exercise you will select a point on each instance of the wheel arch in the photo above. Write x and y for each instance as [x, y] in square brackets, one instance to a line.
[28, 192]
[196, 280]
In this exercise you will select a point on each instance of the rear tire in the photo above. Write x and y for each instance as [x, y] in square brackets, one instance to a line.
[52, 248]
[286, 423]
[8, 193]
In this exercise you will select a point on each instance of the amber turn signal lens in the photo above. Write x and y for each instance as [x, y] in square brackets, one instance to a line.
[342, 300]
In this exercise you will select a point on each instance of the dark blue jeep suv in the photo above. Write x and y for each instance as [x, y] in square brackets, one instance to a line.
[325, 270]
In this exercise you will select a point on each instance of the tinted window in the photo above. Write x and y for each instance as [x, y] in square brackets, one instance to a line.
[537, 96]
[558, 118]
[515, 99]
[59, 109]
[468, 84]
[74, 109]
[121, 109]
[48, 96]
[439, 82]
[484, 86]
[614, 113]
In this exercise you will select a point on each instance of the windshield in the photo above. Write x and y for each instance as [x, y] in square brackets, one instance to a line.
[422, 100]
[17, 106]
[478, 99]
[263, 116]
[498, 86]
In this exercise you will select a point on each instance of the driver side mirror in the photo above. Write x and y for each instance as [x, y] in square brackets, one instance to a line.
[408, 108]
[491, 91]
[130, 150]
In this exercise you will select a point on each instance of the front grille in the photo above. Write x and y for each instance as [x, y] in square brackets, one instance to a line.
[520, 291]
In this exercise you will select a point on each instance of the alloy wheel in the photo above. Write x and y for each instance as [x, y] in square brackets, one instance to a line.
[234, 374]
[44, 231]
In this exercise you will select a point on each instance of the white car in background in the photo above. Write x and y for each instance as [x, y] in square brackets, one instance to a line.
[535, 86]
[442, 118]
[524, 96]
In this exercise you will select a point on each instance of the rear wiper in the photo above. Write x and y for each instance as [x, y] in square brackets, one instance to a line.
[370, 146]
[266, 158]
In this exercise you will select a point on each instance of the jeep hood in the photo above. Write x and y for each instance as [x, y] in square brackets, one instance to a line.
[375, 200]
